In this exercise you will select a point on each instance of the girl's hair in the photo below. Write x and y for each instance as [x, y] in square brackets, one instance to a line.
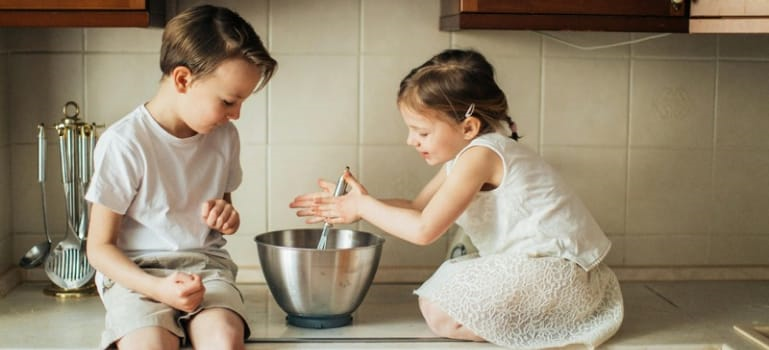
[456, 83]
[202, 37]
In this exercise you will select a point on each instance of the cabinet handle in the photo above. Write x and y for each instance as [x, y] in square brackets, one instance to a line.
[676, 4]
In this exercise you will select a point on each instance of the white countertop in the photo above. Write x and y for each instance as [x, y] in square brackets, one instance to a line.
[658, 315]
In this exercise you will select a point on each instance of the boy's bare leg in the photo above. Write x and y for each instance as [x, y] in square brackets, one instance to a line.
[216, 329]
[149, 338]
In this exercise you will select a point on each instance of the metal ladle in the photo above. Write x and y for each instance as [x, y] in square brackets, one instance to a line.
[39, 252]
[341, 186]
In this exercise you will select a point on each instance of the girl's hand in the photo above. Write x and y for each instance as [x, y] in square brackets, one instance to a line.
[343, 209]
[182, 291]
[320, 206]
[221, 216]
[306, 202]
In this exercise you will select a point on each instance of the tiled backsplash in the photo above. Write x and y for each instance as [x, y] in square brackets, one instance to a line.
[665, 140]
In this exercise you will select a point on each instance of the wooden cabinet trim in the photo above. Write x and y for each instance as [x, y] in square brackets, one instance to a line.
[73, 5]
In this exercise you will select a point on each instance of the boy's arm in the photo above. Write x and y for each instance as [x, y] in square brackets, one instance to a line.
[180, 290]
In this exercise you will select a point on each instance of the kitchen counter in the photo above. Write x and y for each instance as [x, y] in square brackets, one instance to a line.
[658, 315]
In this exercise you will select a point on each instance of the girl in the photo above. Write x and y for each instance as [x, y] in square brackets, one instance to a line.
[538, 280]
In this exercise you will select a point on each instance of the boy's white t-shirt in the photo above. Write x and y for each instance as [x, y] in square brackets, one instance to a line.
[159, 182]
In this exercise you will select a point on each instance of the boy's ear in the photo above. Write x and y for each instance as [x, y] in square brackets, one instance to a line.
[182, 77]
[471, 127]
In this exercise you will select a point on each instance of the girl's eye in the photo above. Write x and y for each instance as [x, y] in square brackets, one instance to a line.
[228, 103]
[423, 134]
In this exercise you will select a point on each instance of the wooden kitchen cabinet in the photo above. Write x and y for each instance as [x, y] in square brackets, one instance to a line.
[588, 15]
[84, 13]
[729, 16]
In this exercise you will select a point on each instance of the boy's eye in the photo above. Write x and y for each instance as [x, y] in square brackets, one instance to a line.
[228, 103]
[423, 134]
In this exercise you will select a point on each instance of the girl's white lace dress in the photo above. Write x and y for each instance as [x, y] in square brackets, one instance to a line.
[537, 280]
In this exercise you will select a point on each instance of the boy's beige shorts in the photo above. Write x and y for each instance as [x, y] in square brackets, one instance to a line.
[128, 311]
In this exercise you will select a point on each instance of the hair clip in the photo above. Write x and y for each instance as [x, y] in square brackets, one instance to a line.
[470, 110]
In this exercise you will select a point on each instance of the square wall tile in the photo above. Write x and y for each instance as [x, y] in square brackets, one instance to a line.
[741, 192]
[250, 199]
[743, 46]
[741, 117]
[739, 250]
[314, 100]
[315, 27]
[4, 32]
[520, 78]
[394, 171]
[253, 11]
[585, 102]
[5, 194]
[669, 191]
[398, 26]
[604, 196]
[42, 84]
[381, 121]
[616, 256]
[666, 250]
[44, 39]
[675, 45]
[6, 249]
[26, 210]
[293, 170]
[672, 103]
[399, 253]
[514, 43]
[585, 44]
[252, 123]
[133, 40]
[399, 172]
[5, 118]
[118, 83]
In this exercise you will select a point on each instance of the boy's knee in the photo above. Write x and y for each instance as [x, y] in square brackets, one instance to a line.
[217, 328]
[149, 338]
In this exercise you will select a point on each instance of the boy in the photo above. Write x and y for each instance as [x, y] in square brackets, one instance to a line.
[161, 188]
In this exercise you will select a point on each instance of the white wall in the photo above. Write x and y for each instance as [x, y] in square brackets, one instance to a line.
[6, 235]
[665, 140]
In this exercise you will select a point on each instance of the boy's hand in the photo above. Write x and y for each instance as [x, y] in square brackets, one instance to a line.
[221, 216]
[182, 291]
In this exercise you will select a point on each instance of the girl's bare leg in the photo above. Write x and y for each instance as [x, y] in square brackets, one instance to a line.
[444, 325]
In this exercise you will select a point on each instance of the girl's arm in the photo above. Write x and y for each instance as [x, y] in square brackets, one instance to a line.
[180, 290]
[435, 209]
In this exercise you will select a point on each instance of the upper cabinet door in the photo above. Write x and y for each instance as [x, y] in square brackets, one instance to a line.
[84, 13]
[729, 16]
[593, 15]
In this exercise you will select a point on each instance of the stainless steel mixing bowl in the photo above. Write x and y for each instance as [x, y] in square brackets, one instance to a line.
[319, 288]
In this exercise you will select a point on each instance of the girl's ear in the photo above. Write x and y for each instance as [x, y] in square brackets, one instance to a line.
[471, 126]
[182, 77]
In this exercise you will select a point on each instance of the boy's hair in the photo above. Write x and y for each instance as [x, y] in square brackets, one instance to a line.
[455, 82]
[201, 37]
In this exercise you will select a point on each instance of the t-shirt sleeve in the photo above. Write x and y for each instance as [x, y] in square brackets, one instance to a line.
[235, 175]
[117, 173]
